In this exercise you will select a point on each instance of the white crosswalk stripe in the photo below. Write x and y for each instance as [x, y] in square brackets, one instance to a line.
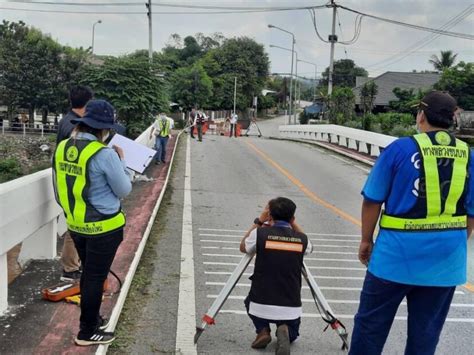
[333, 263]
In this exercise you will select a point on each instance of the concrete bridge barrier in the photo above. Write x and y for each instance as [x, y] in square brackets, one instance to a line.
[30, 215]
[370, 143]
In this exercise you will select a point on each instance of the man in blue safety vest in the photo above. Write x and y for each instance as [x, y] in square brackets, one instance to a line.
[426, 183]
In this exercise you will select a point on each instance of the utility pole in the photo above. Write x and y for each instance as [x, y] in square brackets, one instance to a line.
[150, 32]
[333, 40]
[235, 92]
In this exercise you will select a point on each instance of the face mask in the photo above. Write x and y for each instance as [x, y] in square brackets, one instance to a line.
[417, 126]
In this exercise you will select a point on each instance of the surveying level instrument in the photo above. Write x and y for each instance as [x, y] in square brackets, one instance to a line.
[321, 304]
[253, 122]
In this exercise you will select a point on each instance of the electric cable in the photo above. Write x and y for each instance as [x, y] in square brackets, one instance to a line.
[417, 27]
[144, 12]
[167, 4]
[340, 31]
[77, 3]
[423, 42]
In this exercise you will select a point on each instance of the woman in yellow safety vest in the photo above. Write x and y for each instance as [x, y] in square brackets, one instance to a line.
[89, 180]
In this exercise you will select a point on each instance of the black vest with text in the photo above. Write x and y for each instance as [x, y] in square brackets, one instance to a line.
[277, 275]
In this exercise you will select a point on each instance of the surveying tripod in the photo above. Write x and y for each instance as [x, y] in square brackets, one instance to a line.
[321, 304]
[253, 123]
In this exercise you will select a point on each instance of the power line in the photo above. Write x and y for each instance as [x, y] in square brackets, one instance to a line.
[77, 3]
[143, 12]
[173, 5]
[424, 41]
[340, 31]
[417, 27]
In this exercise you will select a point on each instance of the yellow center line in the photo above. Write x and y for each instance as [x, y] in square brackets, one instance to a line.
[468, 286]
[304, 189]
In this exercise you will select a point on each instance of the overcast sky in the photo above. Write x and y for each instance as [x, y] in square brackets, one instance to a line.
[378, 48]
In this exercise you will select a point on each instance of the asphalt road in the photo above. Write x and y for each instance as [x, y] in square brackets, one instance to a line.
[230, 182]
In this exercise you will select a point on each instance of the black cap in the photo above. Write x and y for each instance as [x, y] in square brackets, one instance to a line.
[99, 114]
[439, 108]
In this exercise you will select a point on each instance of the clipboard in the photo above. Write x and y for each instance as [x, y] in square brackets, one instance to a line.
[137, 156]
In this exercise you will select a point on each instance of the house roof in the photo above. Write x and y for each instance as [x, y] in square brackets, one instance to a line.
[391, 80]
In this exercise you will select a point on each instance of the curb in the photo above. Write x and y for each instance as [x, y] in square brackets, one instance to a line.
[330, 148]
[117, 310]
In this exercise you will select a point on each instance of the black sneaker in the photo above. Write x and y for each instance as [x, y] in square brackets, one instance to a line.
[103, 323]
[99, 337]
[71, 276]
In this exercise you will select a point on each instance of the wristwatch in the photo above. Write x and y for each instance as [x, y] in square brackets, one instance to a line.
[258, 222]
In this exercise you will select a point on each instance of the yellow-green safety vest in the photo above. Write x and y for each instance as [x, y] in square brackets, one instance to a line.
[164, 131]
[70, 164]
[436, 218]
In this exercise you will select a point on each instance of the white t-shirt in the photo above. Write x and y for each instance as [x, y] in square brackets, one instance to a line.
[266, 311]
[234, 118]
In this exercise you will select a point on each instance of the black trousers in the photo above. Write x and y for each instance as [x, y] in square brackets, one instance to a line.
[233, 129]
[199, 129]
[97, 254]
[261, 323]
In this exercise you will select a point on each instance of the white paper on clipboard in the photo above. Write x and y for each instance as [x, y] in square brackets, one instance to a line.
[137, 156]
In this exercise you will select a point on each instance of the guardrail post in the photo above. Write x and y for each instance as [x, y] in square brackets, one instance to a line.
[3, 283]
[24, 129]
[42, 131]
[41, 244]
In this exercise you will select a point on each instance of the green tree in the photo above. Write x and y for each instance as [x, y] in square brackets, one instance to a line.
[407, 100]
[444, 61]
[191, 86]
[368, 93]
[132, 86]
[35, 70]
[341, 105]
[459, 82]
[244, 59]
[345, 73]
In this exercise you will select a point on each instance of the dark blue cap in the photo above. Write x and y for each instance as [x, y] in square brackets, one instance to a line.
[99, 114]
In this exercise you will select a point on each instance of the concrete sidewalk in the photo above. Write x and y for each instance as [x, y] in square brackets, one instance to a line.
[35, 326]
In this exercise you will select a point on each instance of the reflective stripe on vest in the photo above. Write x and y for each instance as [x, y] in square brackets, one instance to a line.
[164, 131]
[73, 165]
[435, 218]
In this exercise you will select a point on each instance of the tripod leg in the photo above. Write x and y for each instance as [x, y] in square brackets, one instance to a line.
[209, 316]
[323, 305]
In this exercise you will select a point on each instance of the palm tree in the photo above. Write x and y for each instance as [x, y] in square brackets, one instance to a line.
[444, 61]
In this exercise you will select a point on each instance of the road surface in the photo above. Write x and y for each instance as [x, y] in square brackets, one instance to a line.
[219, 186]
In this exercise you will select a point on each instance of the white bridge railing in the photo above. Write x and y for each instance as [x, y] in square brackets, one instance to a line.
[30, 215]
[362, 141]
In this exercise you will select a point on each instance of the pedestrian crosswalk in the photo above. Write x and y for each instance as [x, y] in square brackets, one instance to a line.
[333, 263]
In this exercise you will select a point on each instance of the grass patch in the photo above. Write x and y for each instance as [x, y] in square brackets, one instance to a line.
[140, 292]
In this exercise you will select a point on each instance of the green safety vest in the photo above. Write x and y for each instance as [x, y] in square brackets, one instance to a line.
[164, 131]
[436, 218]
[70, 164]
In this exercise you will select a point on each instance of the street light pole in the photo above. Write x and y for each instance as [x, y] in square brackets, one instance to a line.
[315, 72]
[297, 83]
[333, 40]
[93, 34]
[235, 92]
[292, 57]
[150, 32]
